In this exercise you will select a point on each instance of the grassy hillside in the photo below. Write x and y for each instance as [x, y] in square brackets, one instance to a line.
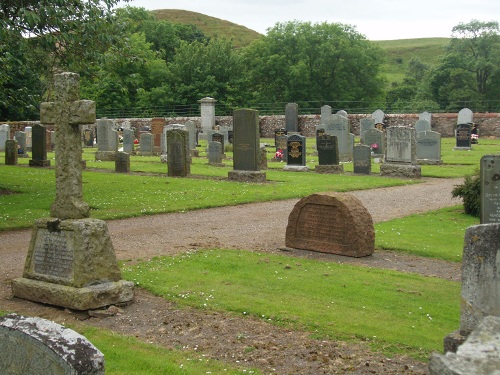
[211, 26]
[399, 52]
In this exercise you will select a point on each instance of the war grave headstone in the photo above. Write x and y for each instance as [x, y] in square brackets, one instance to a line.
[207, 112]
[11, 152]
[122, 162]
[32, 345]
[157, 125]
[463, 137]
[71, 261]
[338, 126]
[292, 117]
[20, 137]
[146, 144]
[480, 294]
[328, 155]
[326, 113]
[362, 160]
[478, 355]
[490, 189]
[375, 139]
[39, 147]
[178, 153]
[333, 223]
[246, 148]
[296, 154]
[401, 153]
[365, 124]
[128, 140]
[29, 137]
[107, 140]
[429, 148]
[4, 135]
[422, 126]
[88, 138]
[214, 153]
[425, 116]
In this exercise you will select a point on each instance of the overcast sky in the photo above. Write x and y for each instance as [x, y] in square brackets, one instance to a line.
[376, 19]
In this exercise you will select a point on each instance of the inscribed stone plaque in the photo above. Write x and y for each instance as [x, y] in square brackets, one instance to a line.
[296, 150]
[401, 145]
[332, 223]
[246, 149]
[37, 346]
[463, 135]
[490, 189]
[53, 254]
[429, 146]
[328, 150]
[362, 160]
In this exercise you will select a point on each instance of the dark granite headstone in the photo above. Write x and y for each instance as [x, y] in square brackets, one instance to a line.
[11, 152]
[362, 159]
[490, 189]
[39, 147]
[328, 149]
[463, 136]
[246, 140]
[296, 150]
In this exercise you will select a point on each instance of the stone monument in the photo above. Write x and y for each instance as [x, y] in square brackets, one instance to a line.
[71, 261]
[401, 153]
[490, 189]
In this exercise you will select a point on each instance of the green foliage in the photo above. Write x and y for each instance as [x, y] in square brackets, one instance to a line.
[397, 311]
[470, 192]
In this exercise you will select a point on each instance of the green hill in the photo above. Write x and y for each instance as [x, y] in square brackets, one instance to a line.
[399, 52]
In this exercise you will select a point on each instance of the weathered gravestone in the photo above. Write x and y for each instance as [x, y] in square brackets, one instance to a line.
[465, 116]
[401, 153]
[292, 117]
[20, 137]
[296, 153]
[157, 125]
[192, 130]
[490, 189]
[362, 160]
[246, 147]
[29, 137]
[379, 117]
[11, 152]
[178, 153]
[480, 280]
[207, 111]
[4, 135]
[338, 126]
[38, 346]
[281, 144]
[463, 136]
[429, 148]
[365, 124]
[128, 140]
[122, 162]
[478, 355]
[88, 138]
[425, 116]
[39, 147]
[218, 137]
[422, 126]
[215, 154]
[331, 223]
[328, 155]
[146, 144]
[277, 134]
[326, 113]
[375, 139]
[71, 260]
[107, 140]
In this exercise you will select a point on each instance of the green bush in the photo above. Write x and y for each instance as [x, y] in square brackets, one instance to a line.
[470, 192]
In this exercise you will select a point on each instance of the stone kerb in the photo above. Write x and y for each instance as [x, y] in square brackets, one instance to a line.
[39, 346]
[335, 223]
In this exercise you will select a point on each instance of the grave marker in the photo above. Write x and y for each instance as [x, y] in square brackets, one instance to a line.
[11, 148]
[215, 153]
[157, 125]
[365, 124]
[463, 137]
[292, 117]
[88, 138]
[39, 147]
[338, 126]
[4, 135]
[296, 153]
[328, 155]
[20, 137]
[326, 113]
[128, 140]
[429, 148]
[29, 137]
[400, 154]
[465, 116]
[122, 162]
[107, 140]
[178, 153]
[490, 189]
[375, 139]
[146, 144]
[425, 116]
[422, 126]
[362, 160]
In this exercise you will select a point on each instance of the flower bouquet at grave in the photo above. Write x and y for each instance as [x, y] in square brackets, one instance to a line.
[374, 148]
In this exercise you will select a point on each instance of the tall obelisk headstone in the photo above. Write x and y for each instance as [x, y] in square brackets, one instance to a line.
[71, 260]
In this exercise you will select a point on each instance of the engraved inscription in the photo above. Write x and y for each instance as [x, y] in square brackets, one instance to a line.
[53, 253]
[321, 223]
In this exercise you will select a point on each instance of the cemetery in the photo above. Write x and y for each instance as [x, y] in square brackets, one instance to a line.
[196, 243]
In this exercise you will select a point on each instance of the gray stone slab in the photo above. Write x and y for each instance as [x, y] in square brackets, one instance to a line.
[429, 147]
[465, 116]
[178, 152]
[11, 148]
[246, 148]
[4, 135]
[362, 160]
[292, 117]
[422, 126]
[490, 189]
[401, 145]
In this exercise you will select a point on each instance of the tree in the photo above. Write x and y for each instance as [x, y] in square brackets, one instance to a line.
[300, 61]
[468, 73]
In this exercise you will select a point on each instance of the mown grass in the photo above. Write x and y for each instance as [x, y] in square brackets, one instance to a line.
[395, 312]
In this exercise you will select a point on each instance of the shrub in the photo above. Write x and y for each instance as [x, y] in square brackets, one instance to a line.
[470, 192]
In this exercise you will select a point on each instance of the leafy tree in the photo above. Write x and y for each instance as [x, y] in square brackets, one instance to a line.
[300, 61]
[469, 72]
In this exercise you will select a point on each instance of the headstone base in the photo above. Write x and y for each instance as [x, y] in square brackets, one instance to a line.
[462, 148]
[331, 169]
[453, 341]
[87, 298]
[295, 168]
[105, 156]
[400, 170]
[247, 176]
[39, 163]
[429, 162]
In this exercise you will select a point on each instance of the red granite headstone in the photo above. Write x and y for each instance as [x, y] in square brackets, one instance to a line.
[157, 125]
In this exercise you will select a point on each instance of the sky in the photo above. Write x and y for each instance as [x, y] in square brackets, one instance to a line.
[375, 19]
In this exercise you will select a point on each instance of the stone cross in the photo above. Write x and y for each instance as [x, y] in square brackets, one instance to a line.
[66, 113]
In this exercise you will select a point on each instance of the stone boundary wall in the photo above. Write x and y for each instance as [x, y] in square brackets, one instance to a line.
[444, 123]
